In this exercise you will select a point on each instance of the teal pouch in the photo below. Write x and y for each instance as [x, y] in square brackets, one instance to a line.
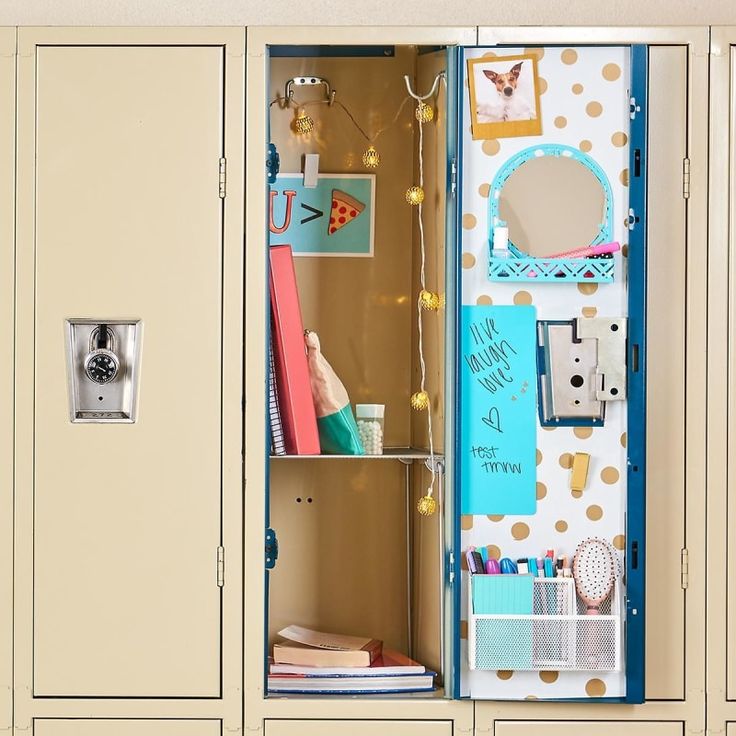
[338, 431]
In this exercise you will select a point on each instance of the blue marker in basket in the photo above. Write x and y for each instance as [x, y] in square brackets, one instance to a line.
[508, 567]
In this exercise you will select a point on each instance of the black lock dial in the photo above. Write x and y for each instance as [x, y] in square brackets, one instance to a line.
[101, 366]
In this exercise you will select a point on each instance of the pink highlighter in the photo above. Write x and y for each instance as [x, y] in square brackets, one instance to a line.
[492, 567]
[593, 250]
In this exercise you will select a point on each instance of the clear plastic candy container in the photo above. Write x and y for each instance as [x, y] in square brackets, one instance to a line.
[370, 427]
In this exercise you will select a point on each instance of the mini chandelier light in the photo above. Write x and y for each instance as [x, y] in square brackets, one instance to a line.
[371, 158]
[424, 113]
[303, 123]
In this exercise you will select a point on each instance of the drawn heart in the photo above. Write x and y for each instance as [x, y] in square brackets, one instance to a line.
[493, 420]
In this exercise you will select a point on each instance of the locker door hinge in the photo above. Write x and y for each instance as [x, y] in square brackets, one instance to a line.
[223, 177]
[633, 108]
[686, 178]
[453, 177]
[273, 163]
[272, 549]
[684, 568]
[451, 566]
[220, 567]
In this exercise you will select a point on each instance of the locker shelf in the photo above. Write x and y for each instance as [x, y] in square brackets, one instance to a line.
[389, 453]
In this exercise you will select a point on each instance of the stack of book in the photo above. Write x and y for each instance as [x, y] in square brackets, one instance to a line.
[315, 662]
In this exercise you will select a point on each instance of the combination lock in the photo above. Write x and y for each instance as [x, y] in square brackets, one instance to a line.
[101, 364]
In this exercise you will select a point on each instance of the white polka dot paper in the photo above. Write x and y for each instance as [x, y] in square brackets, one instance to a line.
[584, 104]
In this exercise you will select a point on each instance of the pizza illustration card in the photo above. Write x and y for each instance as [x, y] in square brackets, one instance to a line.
[335, 218]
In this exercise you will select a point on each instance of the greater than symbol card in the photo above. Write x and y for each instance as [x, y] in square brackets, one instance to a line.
[498, 420]
[335, 218]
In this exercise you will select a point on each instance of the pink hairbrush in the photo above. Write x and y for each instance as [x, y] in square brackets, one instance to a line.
[595, 570]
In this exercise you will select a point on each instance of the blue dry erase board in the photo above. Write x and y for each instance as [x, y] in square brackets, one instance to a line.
[498, 433]
[300, 216]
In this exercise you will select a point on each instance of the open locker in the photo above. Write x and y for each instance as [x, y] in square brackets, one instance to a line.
[347, 551]
[354, 556]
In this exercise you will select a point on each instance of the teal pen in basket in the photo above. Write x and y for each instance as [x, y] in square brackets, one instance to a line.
[548, 568]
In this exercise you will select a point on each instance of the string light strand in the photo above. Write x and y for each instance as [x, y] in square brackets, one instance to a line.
[427, 504]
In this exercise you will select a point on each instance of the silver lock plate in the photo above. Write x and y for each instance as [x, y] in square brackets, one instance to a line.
[568, 382]
[582, 366]
[103, 380]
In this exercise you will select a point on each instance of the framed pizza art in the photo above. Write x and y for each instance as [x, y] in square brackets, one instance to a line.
[334, 218]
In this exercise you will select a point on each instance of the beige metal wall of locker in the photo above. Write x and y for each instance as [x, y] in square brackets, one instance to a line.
[721, 676]
[114, 623]
[7, 222]
[121, 529]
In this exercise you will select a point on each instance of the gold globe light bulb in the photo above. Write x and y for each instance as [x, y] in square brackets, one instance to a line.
[414, 195]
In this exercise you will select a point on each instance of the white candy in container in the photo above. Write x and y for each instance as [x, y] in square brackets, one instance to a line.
[370, 427]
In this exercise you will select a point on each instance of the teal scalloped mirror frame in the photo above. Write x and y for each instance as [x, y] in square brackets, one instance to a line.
[552, 198]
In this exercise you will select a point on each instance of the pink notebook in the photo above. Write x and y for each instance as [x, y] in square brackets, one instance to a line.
[292, 374]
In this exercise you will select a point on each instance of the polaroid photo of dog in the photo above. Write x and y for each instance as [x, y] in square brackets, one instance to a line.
[504, 97]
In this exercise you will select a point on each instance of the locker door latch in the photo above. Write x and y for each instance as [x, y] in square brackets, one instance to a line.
[272, 549]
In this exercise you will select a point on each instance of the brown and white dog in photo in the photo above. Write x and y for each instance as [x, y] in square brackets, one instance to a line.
[505, 103]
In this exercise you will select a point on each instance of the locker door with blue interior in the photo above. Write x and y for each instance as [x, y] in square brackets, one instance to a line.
[550, 374]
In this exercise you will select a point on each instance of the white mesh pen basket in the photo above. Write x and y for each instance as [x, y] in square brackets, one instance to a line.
[556, 635]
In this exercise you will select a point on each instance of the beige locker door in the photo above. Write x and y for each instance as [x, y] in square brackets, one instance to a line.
[589, 728]
[7, 187]
[667, 296]
[124, 727]
[127, 517]
[358, 728]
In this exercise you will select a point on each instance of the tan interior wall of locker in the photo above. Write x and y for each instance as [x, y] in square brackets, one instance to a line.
[7, 234]
[333, 573]
[129, 110]
[349, 301]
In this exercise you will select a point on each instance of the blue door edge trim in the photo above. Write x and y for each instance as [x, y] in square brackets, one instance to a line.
[636, 369]
[452, 250]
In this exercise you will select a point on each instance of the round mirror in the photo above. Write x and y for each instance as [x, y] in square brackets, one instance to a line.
[552, 204]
